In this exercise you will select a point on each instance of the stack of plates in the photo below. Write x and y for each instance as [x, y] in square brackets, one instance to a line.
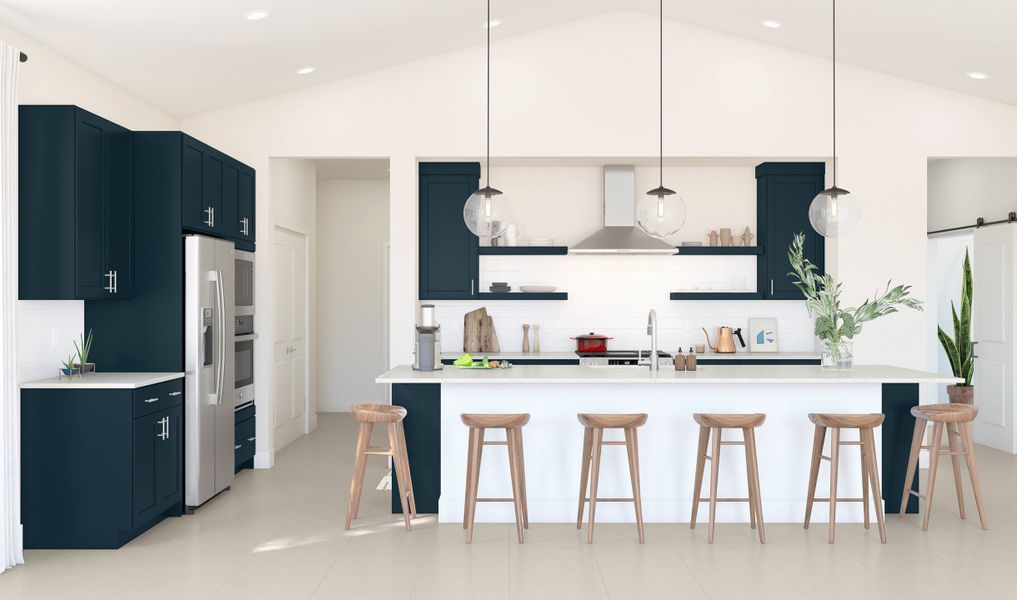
[541, 241]
[537, 289]
[500, 287]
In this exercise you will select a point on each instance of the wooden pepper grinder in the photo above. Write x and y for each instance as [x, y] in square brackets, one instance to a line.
[526, 338]
[536, 339]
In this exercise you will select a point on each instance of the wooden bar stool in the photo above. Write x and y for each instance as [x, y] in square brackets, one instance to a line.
[392, 416]
[717, 423]
[593, 440]
[864, 423]
[513, 426]
[957, 419]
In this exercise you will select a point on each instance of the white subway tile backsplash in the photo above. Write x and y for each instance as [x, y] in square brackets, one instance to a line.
[47, 330]
[612, 296]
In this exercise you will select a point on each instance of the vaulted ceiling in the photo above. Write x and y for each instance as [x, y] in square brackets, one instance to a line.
[190, 56]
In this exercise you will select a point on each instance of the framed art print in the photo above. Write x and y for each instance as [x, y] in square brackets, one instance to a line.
[763, 335]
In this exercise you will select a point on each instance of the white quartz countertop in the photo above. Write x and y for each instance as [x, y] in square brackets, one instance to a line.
[510, 356]
[123, 381]
[515, 355]
[705, 374]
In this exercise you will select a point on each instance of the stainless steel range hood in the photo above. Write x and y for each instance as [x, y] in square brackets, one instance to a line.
[620, 234]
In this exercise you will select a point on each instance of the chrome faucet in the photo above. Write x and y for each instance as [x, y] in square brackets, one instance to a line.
[651, 330]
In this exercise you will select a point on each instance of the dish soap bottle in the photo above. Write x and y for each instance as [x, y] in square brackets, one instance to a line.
[679, 360]
[690, 360]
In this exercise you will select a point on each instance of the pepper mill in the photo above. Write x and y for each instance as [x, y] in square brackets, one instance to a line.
[536, 339]
[526, 338]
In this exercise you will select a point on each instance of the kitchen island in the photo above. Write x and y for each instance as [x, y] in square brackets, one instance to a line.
[554, 394]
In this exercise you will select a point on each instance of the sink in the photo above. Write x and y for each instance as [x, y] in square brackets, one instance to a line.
[619, 367]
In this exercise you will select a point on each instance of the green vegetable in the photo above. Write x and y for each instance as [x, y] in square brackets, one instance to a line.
[464, 361]
[484, 363]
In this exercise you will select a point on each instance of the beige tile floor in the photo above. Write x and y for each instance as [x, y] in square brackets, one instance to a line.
[279, 534]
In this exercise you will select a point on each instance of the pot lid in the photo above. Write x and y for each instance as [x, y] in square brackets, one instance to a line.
[592, 336]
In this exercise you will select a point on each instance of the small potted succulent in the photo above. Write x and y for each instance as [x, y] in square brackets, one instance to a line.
[83, 349]
[836, 327]
[959, 349]
[67, 368]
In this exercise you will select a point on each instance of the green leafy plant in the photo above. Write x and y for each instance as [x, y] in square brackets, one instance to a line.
[68, 365]
[835, 325]
[84, 349]
[959, 349]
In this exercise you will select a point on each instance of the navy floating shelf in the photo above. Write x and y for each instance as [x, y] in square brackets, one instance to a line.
[522, 296]
[719, 250]
[523, 250]
[716, 295]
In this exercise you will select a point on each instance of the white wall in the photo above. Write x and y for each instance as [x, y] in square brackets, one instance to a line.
[293, 184]
[963, 189]
[351, 351]
[586, 88]
[46, 328]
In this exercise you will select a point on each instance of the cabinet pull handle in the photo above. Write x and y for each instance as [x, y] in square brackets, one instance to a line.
[116, 285]
[151, 400]
[238, 447]
[471, 286]
[175, 393]
[210, 219]
[251, 439]
[109, 282]
[244, 226]
[213, 216]
[771, 287]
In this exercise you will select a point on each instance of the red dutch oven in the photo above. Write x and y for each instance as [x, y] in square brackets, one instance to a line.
[591, 342]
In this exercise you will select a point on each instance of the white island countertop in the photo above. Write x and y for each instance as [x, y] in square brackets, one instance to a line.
[760, 356]
[705, 374]
[93, 381]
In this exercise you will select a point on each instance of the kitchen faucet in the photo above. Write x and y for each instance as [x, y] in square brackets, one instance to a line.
[651, 330]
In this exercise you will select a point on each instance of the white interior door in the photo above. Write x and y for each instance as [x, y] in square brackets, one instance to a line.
[993, 330]
[290, 345]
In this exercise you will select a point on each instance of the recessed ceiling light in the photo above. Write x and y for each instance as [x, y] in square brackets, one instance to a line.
[257, 15]
[977, 75]
[305, 71]
[490, 24]
[771, 23]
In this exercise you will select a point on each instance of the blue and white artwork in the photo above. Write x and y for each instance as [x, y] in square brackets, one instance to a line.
[762, 335]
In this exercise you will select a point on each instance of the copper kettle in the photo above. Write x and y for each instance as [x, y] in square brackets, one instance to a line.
[725, 340]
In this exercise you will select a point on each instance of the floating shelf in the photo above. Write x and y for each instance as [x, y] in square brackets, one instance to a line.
[716, 295]
[522, 296]
[523, 250]
[719, 250]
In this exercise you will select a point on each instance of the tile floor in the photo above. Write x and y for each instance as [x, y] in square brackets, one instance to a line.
[279, 534]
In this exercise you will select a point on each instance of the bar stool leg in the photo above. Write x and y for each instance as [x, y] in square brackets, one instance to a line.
[818, 438]
[584, 476]
[598, 439]
[748, 478]
[834, 464]
[522, 475]
[976, 485]
[714, 474]
[477, 453]
[397, 468]
[934, 443]
[357, 484]
[513, 459]
[865, 479]
[632, 445]
[953, 437]
[697, 491]
[469, 478]
[916, 449]
[756, 500]
[869, 441]
[406, 467]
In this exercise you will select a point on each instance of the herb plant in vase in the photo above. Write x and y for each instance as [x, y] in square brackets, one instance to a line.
[959, 349]
[836, 327]
[67, 367]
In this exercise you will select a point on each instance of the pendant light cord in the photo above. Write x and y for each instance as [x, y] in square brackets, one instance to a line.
[488, 173]
[661, 93]
[834, 38]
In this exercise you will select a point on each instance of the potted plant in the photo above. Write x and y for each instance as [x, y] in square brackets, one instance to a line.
[836, 327]
[68, 369]
[959, 349]
[83, 350]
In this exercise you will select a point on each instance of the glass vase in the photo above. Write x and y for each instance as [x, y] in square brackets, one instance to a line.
[837, 354]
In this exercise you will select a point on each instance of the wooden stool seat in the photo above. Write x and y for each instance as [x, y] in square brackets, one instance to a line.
[593, 442]
[495, 421]
[956, 418]
[715, 424]
[512, 424]
[866, 443]
[612, 421]
[846, 421]
[733, 421]
[392, 418]
[377, 413]
[946, 413]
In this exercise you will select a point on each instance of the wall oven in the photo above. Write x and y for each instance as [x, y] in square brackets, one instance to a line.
[243, 331]
[244, 289]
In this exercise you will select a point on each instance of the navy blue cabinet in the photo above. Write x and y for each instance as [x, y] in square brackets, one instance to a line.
[244, 438]
[75, 205]
[449, 252]
[784, 192]
[217, 193]
[99, 466]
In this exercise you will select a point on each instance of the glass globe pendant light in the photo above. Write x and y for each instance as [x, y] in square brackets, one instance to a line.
[661, 212]
[487, 211]
[834, 211]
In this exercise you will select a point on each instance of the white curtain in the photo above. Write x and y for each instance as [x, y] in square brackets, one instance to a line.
[10, 403]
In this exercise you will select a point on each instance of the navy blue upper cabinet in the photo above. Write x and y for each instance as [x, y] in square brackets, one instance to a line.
[449, 252]
[218, 193]
[784, 192]
[75, 205]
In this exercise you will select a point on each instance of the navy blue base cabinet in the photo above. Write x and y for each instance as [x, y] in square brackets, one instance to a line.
[244, 442]
[99, 466]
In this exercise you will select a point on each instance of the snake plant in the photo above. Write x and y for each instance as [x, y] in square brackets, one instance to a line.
[835, 325]
[84, 349]
[959, 349]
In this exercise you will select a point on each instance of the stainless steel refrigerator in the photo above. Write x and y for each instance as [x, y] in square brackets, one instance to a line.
[208, 343]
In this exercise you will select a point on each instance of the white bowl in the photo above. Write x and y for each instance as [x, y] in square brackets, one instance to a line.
[537, 289]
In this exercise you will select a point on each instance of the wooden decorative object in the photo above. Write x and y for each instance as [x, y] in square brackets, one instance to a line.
[526, 337]
[488, 336]
[714, 238]
[536, 338]
[747, 236]
[472, 325]
[725, 236]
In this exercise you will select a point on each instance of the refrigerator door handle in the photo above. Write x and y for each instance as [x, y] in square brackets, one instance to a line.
[221, 299]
